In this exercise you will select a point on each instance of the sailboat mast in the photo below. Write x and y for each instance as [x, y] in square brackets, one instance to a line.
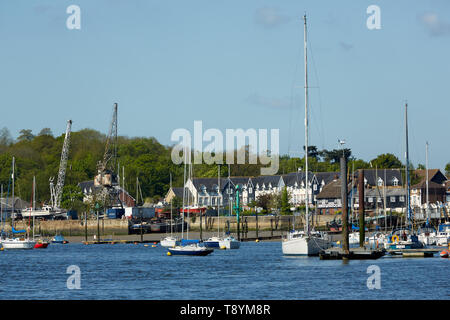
[218, 200]
[408, 193]
[12, 212]
[171, 200]
[306, 130]
[426, 169]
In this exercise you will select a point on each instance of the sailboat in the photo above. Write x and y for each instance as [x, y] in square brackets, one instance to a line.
[188, 247]
[213, 242]
[305, 242]
[405, 237]
[16, 242]
[169, 241]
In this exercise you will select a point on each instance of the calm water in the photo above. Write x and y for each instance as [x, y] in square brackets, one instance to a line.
[255, 271]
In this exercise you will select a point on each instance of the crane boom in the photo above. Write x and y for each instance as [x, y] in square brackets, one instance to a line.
[56, 193]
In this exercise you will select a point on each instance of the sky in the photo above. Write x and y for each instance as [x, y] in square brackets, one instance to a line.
[233, 64]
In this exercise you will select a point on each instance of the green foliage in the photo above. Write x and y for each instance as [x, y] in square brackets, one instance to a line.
[447, 170]
[72, 198]
[386, 161]
[285, 205]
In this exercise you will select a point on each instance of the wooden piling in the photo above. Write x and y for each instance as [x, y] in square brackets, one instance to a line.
[345, 244]
[362, 227]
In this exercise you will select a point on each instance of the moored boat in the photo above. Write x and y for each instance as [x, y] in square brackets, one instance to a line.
[190, 250]
[229, 243]
[18, 243]
[59, 239]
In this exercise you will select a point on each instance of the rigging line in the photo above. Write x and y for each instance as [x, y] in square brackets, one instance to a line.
[292, 96]
[318, 92]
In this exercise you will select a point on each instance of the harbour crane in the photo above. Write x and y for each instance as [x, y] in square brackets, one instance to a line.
[56, 192]
[106, 179]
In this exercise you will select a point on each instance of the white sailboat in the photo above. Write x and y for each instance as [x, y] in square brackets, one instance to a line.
[16, 242]
[307, 242]
[169, 241]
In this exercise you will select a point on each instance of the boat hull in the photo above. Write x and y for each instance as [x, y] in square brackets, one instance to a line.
[190, 252]
[304, 246]
[229, 244]
[18, 244]
[41, 245]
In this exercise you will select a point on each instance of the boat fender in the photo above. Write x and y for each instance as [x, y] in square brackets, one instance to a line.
[1, 249]
[395, 238]
[223, 247]
[153, 246]
[145, 245]
[444, 254]
[168, 253]
[257, 240]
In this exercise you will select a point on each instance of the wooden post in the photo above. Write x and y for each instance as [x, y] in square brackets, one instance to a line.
[362, 227]
[345, 245]
[201, 229]
[256, 215]
[85, 226]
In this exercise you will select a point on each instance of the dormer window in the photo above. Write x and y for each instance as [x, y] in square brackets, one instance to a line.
[395, 182]
[380, 182]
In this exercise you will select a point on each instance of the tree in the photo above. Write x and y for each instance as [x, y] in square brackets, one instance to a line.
[447, 170]
[5, 137]
[335, 155]
[285, 205]
[421, 167]
[312, 152]
[72, 198]
[263, 201]
[45, 132]
[25, 135]
[386, 161]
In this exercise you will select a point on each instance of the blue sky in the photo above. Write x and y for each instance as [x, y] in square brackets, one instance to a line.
[233, 64]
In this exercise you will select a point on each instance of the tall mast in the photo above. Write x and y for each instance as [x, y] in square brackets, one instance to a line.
[426, 169]
[306, 130]
[12, 214]
[218, 200]
[408, 205]
[171, 200]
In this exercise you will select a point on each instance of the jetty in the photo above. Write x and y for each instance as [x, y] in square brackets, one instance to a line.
[415, 253]
[337, 253]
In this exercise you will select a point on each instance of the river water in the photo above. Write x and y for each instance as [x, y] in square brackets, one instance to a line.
[256, 271]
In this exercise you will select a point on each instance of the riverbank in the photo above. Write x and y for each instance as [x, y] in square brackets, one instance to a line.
[118, 228]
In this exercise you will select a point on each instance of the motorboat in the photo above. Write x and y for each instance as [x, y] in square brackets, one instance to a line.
[213, 242]
[443, 235]
[229, 243]
[427, 235]
[403, 238]
[59, 239]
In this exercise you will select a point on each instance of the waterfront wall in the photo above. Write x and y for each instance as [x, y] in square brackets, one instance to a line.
[120, 227]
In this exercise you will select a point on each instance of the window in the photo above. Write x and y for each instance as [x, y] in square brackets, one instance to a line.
[250, 190]
[392, 199]
[395, 182]
[370, 199]
[315, 187]
[380, 182]
[379, 199]
[402, 199]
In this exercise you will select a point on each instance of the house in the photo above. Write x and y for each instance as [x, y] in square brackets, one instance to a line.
[436, 188]
[329, 201]
[295, 183]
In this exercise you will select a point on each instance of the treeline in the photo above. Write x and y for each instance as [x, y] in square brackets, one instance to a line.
[143, 157]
